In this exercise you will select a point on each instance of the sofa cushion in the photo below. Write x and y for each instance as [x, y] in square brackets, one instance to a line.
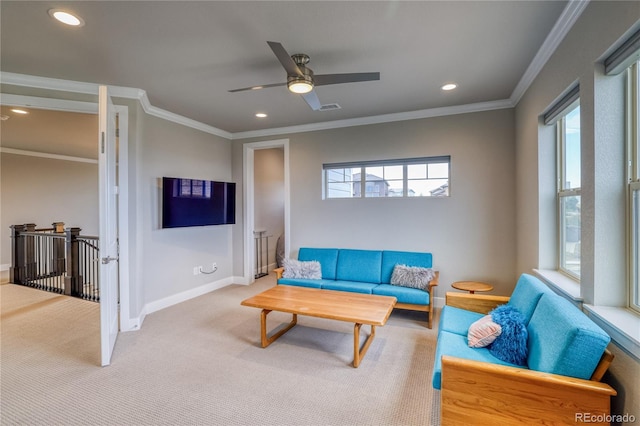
[391, 258]
[328, 258]
[352, 286]
[456, 320]
[456, 345]
[359, 265]
[302, 282]
[511, 344]
[309, 269]
[526, 294]
[563, 340]
[412, 276]
[403, 294]
[483, 332]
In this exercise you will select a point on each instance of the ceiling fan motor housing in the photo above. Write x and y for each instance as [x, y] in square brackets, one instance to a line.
[307, 73]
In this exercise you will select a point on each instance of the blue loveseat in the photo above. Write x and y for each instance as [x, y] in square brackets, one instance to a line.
[567, 357]
[367, 271]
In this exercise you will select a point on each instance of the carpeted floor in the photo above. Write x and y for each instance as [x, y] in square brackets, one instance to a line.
[200, 362]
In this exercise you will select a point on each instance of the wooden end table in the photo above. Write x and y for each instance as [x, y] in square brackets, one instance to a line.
[472, 286]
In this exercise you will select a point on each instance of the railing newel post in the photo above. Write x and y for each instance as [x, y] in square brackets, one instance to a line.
[58, 252]
[18, 261]
[72, 279]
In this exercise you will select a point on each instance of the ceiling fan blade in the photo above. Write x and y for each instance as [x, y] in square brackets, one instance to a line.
[262, 86]
[312, 99]
[285, 59]
[325, 79]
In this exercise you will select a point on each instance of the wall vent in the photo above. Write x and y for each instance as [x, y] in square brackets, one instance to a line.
[329, 107]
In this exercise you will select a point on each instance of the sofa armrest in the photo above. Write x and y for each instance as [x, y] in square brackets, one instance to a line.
[480, 303]
[279, 271]
[434, 281]
[475, 392]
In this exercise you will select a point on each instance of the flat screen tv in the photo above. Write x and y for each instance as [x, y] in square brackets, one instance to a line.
[193, 202]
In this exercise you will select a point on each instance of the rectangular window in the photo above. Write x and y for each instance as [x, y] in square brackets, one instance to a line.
[633, 179]
[412, 177]
[569, 182]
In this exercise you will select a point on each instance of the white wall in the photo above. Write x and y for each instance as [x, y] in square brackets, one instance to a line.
[471, 234]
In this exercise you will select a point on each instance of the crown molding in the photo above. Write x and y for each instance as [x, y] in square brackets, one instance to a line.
[565, 22]
[115, 91]
[563, 25]
[378, 119]
[47, 155]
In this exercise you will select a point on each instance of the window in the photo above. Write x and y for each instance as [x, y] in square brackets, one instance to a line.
[633, 179]
[413, 177]
[568, 139]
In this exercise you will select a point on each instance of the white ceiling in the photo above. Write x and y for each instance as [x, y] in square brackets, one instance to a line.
[187, 55]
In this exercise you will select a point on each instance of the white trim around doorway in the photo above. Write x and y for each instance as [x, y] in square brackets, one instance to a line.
[249, 206]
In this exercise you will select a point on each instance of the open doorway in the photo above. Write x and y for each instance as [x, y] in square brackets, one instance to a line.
[266, 213]
[74, 166]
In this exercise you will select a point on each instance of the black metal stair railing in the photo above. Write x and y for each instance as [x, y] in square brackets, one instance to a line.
[55, 259]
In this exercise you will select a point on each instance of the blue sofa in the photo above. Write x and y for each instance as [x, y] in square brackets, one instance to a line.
[367, 271]
[567, 358]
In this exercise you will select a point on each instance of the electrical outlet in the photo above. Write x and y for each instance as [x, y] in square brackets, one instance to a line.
[196, 270]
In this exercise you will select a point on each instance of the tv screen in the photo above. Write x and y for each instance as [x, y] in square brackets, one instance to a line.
[193, 202]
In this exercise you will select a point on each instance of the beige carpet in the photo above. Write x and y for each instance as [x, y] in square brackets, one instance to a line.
[200, 362]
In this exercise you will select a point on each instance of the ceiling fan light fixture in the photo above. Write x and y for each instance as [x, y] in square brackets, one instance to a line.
[300, 86]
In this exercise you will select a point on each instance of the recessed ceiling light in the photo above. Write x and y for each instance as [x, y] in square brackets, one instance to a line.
[449, 86]
[66, 17]
[19, 111]
[261, 115]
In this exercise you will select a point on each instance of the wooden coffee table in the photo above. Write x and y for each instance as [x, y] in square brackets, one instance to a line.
[337, 305]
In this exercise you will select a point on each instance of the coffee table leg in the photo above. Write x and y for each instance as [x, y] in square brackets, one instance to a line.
[358, 353]
[265, 340]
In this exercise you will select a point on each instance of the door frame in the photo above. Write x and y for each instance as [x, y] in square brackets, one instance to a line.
[126, 322]
[249, 201]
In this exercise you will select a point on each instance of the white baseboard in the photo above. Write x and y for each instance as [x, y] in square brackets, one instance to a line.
[439, 302]
[186, 295]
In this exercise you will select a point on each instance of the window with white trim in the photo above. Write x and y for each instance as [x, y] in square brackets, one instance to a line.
[633, 181]
[410, 177]
[569, 182]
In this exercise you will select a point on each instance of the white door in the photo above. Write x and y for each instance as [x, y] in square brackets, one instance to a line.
[108, 207]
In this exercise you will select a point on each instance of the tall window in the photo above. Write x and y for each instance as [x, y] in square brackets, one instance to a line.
[413, 177]
[633, 179]
[569, 219]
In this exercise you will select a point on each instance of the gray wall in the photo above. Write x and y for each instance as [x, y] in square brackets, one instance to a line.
[578, 59]
[43, 190]
[471, 234]
[165, 258]
[269, 197]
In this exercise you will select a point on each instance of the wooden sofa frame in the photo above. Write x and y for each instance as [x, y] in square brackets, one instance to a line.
[424, 308]
[475, 392]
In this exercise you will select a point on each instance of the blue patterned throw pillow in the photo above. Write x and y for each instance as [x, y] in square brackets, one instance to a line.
[511, 345]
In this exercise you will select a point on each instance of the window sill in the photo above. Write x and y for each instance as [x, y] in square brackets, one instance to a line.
[621, 324]
[561, 284]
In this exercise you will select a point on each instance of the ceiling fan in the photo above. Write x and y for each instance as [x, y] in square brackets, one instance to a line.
[302, 80]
